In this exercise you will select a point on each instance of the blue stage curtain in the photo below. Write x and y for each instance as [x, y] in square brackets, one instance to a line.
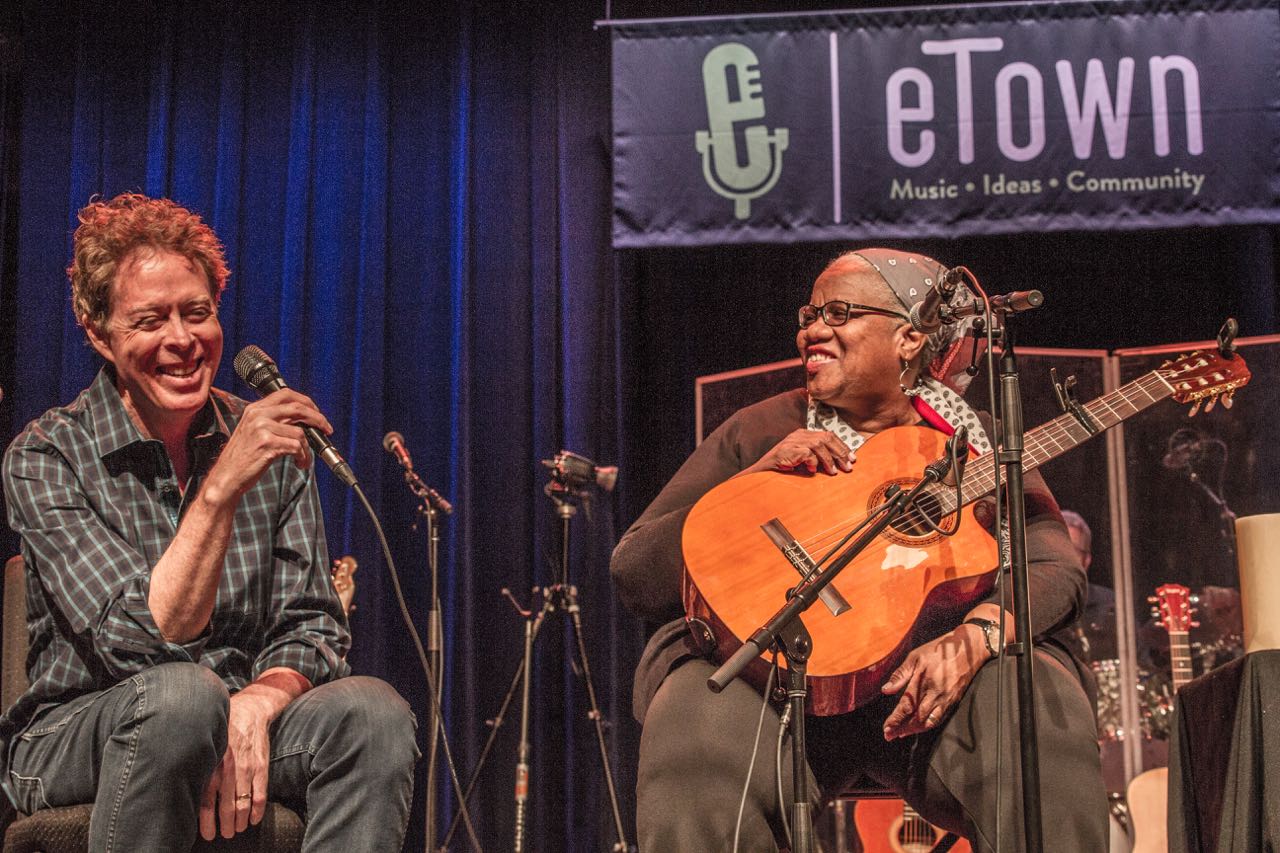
[414, 201]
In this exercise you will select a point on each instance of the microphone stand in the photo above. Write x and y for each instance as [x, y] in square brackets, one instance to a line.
[1010, 456]
[560, 597]
[787, 630]
[435, 647]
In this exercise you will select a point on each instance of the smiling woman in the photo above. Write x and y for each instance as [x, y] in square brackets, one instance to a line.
[923, 718]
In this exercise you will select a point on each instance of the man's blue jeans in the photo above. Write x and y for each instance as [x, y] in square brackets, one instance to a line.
[342, 755]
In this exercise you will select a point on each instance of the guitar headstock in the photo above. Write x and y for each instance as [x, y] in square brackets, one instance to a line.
[1205, 375]
[343, 583]
[1173, 608]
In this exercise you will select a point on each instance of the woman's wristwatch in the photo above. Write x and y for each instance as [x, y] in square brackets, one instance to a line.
[990, 633]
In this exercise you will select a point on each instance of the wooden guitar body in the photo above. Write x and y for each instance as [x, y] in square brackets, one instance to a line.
[730, 560]
[1148, 798]
[888, 826]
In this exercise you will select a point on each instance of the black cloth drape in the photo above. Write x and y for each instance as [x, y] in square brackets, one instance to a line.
[1224, 748]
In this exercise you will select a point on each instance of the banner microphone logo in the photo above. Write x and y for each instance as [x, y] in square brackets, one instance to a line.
[731, 81]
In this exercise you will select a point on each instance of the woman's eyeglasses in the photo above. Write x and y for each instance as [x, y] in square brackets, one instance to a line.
[837, 312]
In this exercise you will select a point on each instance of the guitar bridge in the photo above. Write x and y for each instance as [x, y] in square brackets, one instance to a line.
[804, 565]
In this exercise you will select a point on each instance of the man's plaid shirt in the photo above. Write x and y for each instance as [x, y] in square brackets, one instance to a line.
[96, 505]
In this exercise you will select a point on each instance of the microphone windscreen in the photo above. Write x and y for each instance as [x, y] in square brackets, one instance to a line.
[254, 366]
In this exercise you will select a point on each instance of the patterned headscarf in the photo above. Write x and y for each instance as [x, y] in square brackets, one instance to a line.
[943, 379]
[910, 276]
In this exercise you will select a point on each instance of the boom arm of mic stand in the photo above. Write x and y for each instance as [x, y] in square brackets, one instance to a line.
[806, 593]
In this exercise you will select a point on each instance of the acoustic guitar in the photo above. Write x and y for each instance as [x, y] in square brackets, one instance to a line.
[750, 539]
[892, 826]
[1148, 793]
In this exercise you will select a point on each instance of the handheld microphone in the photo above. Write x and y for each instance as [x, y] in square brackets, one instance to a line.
[260, 373]
[393, 443]
[1004, 303]
[927, 315]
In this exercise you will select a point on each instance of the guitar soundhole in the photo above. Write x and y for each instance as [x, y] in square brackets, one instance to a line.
[913, 528]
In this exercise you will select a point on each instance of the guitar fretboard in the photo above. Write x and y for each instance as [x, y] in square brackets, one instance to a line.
[1180, 658]
[1061, 434]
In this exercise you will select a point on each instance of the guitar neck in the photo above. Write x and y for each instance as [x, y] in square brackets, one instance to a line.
[1065, 432]
[1180, 658]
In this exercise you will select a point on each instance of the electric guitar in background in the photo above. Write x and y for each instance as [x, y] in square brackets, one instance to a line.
[344, 584]
[1148, 793]
[892, 826]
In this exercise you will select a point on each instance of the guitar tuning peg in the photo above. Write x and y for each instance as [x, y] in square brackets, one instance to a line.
[1194, 624]
[1229, 399]
[1208, 407]
[1151, 599]
[1195, 408]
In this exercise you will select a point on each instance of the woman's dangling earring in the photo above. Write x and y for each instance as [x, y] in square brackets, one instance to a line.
[914, 390]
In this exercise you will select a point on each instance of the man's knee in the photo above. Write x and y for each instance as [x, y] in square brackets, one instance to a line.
[185, 694]
[181, 709]
[374, 719]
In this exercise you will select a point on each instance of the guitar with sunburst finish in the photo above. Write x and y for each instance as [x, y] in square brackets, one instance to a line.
[344, 584]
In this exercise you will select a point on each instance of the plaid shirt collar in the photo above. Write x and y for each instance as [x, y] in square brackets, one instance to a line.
[114, 429]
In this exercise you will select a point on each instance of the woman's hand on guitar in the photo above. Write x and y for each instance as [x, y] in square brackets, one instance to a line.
[809, 449]
[932, 679]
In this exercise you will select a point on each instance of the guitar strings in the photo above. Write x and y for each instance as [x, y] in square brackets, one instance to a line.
[1043, 443]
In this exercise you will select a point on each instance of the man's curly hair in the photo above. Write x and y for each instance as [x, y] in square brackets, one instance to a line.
[110, 231]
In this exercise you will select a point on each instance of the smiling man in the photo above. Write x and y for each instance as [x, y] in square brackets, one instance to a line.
[932, 735]
[186, 644]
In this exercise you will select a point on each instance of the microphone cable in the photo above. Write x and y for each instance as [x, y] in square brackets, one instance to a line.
[755, 751]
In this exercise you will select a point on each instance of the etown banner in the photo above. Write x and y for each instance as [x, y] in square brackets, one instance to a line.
[945, 121]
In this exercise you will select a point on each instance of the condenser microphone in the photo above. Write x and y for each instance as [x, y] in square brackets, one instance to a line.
[1005, 303]
[926, 315]
[260, 373]
[959, 451]
[393, 443]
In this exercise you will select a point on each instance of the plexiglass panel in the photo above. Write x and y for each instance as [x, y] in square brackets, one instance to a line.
[1187, 477]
